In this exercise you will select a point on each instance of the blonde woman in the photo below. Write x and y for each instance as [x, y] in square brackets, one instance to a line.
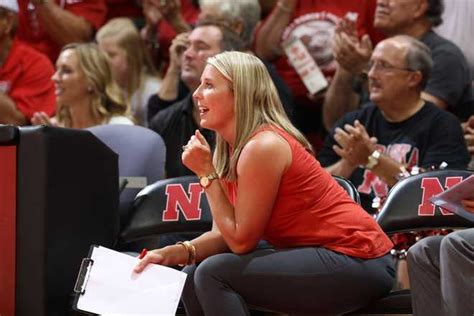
[131, 65]
[330, 256]
[86, 94]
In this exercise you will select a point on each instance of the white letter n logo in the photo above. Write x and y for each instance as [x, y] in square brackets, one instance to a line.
[190, 207]
[431, 187]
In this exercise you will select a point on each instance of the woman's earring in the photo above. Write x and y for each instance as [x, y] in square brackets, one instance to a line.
[89, 89]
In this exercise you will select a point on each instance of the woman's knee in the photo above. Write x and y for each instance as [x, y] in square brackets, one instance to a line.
[217, 268]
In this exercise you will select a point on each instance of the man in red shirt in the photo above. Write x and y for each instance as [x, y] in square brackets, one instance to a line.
[47, 25]
[25, 75]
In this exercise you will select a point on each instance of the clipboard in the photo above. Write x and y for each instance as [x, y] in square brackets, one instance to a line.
[107, 285]
[451, 198]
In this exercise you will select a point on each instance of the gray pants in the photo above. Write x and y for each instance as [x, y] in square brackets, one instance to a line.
[306, 280]
[441, 271]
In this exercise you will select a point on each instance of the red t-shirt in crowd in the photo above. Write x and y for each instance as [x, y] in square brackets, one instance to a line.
[314, 22]
[32, 32]
[312, 209]
[26, 78]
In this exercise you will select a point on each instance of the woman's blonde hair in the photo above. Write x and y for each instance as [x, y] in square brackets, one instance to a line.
[124, 32]
[256, 103]
[108, 100]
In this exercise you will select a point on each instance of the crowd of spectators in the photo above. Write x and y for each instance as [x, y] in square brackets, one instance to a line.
[399, 72]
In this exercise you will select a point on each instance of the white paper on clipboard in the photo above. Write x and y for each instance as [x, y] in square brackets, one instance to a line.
[112, 288]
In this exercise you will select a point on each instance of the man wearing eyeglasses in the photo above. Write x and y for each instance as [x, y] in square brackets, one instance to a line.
[398, 129]
[449, 85]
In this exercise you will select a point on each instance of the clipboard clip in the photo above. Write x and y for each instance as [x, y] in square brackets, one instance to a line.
[83, 276]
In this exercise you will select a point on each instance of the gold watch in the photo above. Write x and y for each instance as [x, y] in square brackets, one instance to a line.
[373, 160]
[205, 181]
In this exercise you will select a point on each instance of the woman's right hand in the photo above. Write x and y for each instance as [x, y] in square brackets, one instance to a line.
[197, 155]
[167, 256]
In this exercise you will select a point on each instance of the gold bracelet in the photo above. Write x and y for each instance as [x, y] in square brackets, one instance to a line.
[182, 244]
[191, 252]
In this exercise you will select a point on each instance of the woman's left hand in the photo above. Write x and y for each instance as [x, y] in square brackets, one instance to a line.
[197, 155]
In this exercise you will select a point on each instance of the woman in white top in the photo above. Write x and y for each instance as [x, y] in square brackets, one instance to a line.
[86, 94]
[131, 65]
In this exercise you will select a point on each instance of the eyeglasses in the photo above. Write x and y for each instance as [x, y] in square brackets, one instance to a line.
[383, 66]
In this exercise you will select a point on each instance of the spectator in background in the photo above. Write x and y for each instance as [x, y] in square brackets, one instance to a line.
[226, 13]
[172, 88]
[449, 85]
[397, 129]
[313, 22]
[131, 65]
[164, 20]
[458, 26]
[178, 122]
[48, 25]
[25, 74]
[86, 93]
[239, 16]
